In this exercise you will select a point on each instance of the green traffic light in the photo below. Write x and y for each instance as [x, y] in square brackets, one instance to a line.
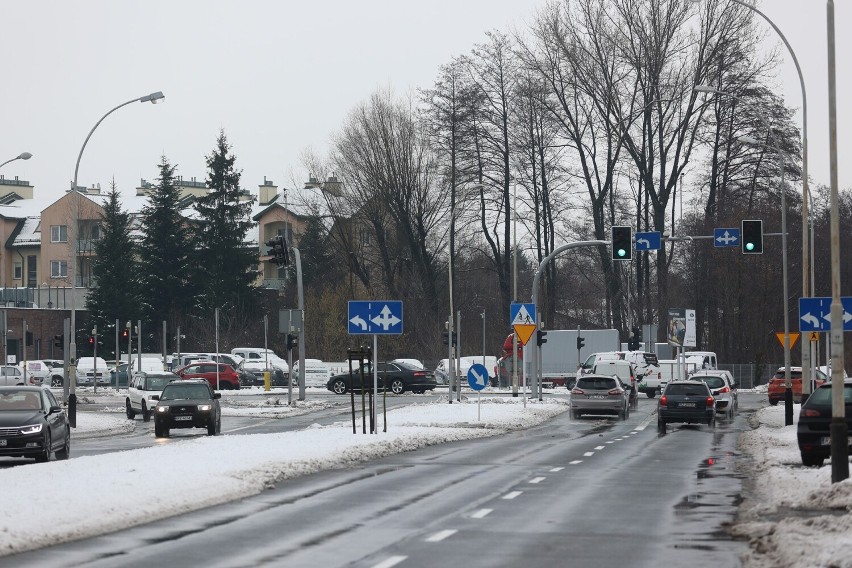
[749, 246]
[622, 252]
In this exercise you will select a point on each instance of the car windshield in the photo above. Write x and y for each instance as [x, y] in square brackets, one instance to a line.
[712, 382]
[20, 400]
[822, 396]
[793, 374]
[596, 383]
[685, 390]
[183, 392]
[158, 383]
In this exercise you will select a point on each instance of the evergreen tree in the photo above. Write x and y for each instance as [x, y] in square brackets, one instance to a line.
[319, 266]
[165, 253]
[115, 292]
[225, 258]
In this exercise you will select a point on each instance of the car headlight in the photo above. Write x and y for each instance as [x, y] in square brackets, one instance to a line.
[204, 407]
[31, 429]
[162, 408]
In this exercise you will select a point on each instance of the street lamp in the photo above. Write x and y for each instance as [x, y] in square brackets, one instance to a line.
[807, 259]
[788, 383]
[23, 156]
[153, 98]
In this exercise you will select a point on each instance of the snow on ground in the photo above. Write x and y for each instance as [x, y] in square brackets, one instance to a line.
[794, 516]
[139, 486]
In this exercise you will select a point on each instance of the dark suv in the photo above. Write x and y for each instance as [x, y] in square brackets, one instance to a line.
[190, 403]
[688, 402]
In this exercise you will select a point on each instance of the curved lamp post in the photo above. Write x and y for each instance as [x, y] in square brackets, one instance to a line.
[807, 248]
[153, 98]
[23, 156]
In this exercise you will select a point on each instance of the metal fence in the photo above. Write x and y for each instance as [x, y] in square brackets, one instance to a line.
[749, 375]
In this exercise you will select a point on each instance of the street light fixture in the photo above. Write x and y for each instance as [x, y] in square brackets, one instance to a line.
[153, 98]
[22, 156]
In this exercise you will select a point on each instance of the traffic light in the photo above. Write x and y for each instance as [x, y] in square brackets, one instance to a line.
[581, 341]
[91, 340]
[445, 337]
[622, 243]
[278, 250]
[751, 237]
[58, 340]
[635, 341]
[540, 337]
[29, 338]
[125, 333]
[292, 341]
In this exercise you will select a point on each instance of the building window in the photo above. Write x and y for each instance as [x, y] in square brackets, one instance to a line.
[96, 232]
[59, 233]
[58, 268]
[19, 270]
[32, 271]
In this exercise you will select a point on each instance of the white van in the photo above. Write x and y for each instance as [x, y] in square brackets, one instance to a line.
[702, 359]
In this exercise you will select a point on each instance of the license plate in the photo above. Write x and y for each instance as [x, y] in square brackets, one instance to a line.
[2, 442]
[183, 417]
[597, 396]
[687, 405]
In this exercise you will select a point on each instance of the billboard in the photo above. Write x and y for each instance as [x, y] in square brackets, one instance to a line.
[681, 328]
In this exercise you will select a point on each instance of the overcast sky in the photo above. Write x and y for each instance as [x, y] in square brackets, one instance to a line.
[278, 76]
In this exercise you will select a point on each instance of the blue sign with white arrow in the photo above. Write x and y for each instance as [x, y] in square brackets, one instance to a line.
[726, 237]
[477, 377]
[379, 317]
[648, 241]
[815, 314]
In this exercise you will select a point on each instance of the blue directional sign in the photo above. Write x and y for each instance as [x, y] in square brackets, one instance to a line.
[477, 377]
[729, 237]
[815, 314]
[522, 314]
[648, 241]
[379, 317]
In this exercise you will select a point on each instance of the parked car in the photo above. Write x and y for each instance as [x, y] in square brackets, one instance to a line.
[35, 372]
[396, 377]
[625, 371]
[812, 432]
[142, 392]
[190, 403]
[33, 424]
[722, 387]
[688, 402]
[11, 375]
[599, 394]
[778, 384]
[119, 375]
[91, 370]
[226, 376]
[257, 358]
[57, 371]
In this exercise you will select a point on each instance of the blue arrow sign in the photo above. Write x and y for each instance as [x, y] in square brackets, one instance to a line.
[379, 317]
[815, 314]
[649, 241]
[726, 237]
[522, 314]
[477, 377]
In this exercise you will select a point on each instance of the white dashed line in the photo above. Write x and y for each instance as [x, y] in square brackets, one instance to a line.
[392, 561]
[575, 462]
[610, 442]
[481, 513]
[537, 479]
[600, 447]
[511, 495]
[555, 469]
[441, 535]
[589, 454]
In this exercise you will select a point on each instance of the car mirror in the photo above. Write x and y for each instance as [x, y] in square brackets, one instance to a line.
[217, 395]
[54, 409]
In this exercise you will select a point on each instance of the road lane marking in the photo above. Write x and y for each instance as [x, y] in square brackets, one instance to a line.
[589, 454]
[599, 447]
[555, 469]
[575, 462]
[511, 495]
[610, 442]
[441, 535]
[480, 513]
[392, 561]
[537, 479]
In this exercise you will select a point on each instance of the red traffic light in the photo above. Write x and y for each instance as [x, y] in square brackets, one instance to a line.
[125, 333]
[91, 341]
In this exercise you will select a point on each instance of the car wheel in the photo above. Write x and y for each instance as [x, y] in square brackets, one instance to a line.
[131, 414]
[211, 427]
[44, 456]
[623, 414]
[160, 431]
[339, 386]
[397, 386]
[810, 461]
[651, 393]
[146, 414]
[773, 402]
[661, 426]
[56, 381]
[219, 425]
[711, 422]
[66, 447]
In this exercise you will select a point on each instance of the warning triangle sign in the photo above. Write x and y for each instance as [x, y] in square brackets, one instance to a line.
[794, 337]
[524, 332]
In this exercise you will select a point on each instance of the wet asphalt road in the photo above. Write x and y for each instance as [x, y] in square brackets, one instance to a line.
[587, 492]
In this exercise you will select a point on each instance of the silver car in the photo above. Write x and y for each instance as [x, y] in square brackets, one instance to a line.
[722, 387]
[600, 394]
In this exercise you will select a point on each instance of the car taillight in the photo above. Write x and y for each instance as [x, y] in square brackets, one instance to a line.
[722, 390]
[811, 412]
[615, 392]
[575, 390]
[420, 374]
[710, 401]
[664, 401]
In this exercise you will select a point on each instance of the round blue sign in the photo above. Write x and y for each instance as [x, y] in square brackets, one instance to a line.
[477, 377]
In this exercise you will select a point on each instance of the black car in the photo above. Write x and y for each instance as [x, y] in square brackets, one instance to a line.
[33, 424]
[813, 432]
[396, 377]
[188, 403]
[688, 402]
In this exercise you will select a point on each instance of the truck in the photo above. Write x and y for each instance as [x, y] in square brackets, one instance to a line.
[559, 355]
